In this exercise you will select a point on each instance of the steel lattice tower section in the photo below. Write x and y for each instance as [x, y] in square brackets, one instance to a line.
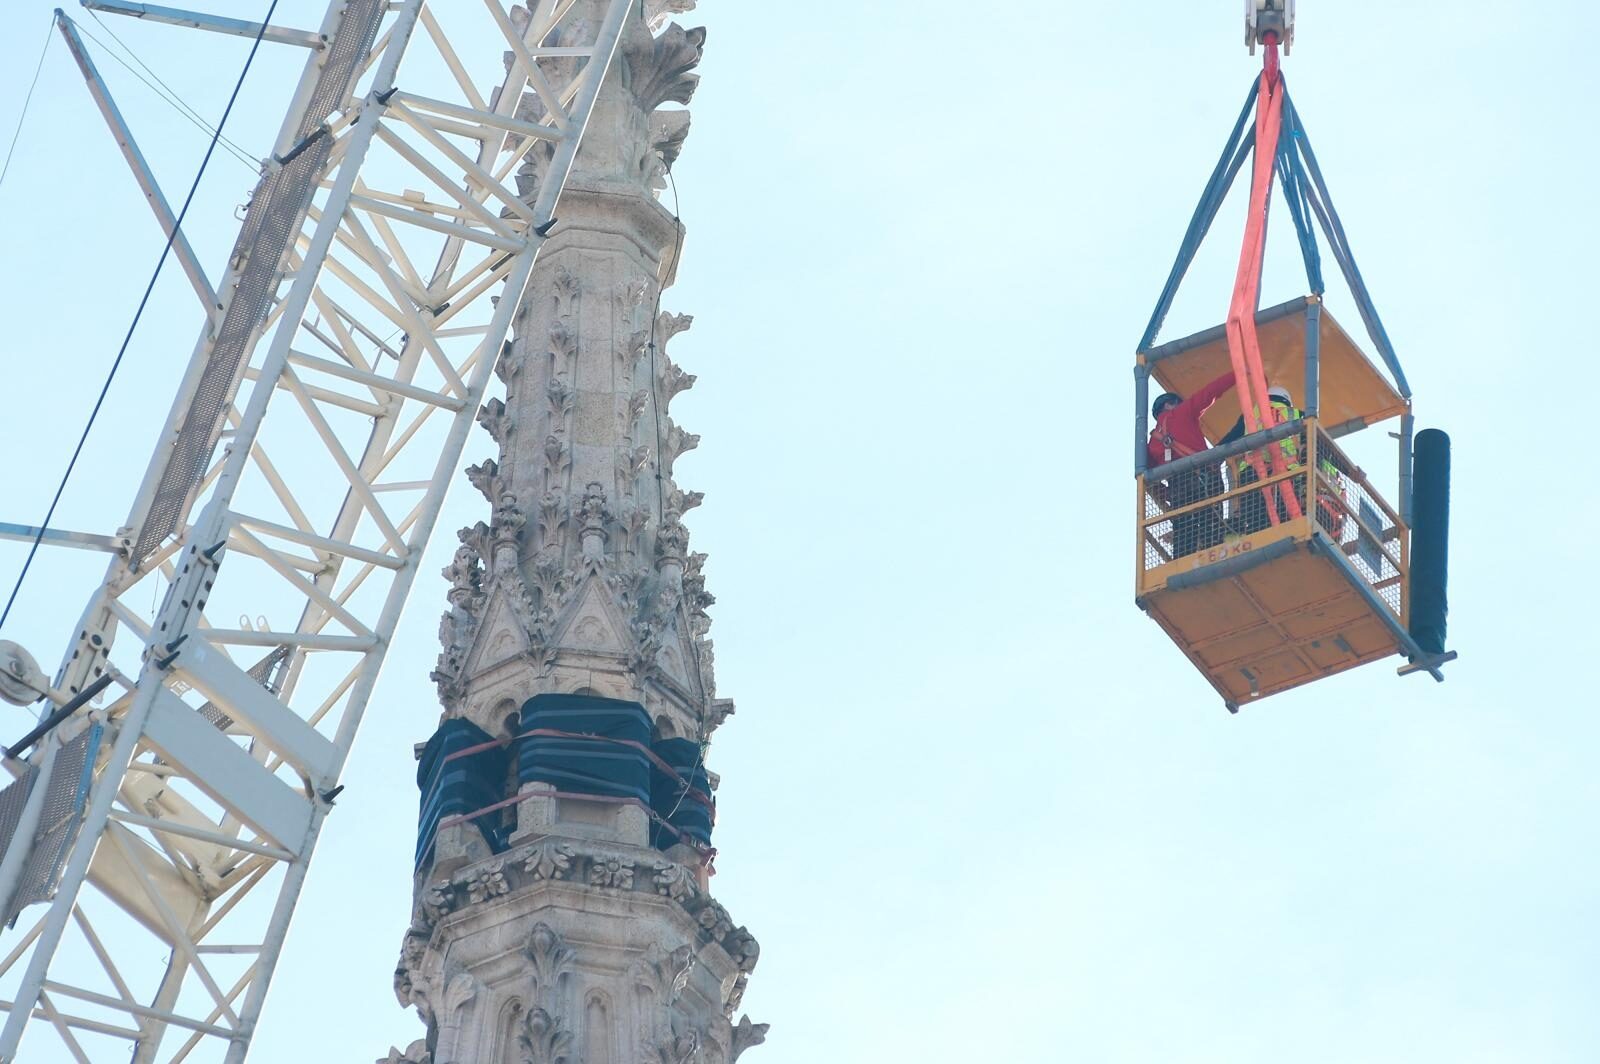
[168, 811]
[579, 940]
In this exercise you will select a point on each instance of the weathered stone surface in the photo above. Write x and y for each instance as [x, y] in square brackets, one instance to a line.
[581, 943]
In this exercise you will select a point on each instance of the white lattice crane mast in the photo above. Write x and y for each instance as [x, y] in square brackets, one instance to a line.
[301, 470]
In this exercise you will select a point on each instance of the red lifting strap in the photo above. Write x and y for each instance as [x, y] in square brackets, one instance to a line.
[1244, 346]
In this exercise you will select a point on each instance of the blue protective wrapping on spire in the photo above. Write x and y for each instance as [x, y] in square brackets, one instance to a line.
[681, 798]
[581, 765]
[452, 786]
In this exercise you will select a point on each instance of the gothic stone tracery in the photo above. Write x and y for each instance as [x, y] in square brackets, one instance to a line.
[580, 942]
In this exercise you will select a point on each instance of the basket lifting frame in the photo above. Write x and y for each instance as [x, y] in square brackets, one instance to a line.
[1306, 194]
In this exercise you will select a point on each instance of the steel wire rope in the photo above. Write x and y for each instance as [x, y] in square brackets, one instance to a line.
[138, 313]
[27, 100]
[159, 80]
[165, 93]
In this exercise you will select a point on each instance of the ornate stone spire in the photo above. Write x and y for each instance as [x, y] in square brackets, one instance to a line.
[578, 940]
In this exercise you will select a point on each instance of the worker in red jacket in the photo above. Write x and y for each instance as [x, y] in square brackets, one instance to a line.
[1177, 434]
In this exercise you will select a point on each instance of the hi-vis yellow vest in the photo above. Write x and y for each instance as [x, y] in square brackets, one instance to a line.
[1290, 445]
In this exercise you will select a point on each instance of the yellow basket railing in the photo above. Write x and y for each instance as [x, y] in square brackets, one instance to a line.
[1200, 510]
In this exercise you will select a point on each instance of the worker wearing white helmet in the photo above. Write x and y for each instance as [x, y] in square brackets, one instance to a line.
[1252, 507]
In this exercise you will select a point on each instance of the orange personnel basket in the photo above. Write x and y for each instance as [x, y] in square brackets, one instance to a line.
[1262, 606]
[1272, 560]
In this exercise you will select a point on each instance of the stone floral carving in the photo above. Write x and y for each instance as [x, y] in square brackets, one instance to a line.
[695, 595]
[552, 515]
[678, 442]
[543, 1039]
[485, 476]
[492, 416]
[665, 974]
[736, 995]
[412, 948]
[683, 501]
[552, 959]
[675, 380]
[477, 538]
[673, 881]
[742, 946]
[552, 860]
[563, 338]
[659, 68]
[669, 325]
[672, 539]
[561, 397]
[484, 883]
[634, 519]
[551, 576]
[657, 12]
[465, 572]
[630, 298]
[566, 286]
[707, 659]
[438, 901]
[512, 361]
[713, 919]
[611, 872]
[631, 464]
[747, 1034]
[415, 1053]
[506, 526]
[668, 131]
[679, 1049]
[557, 454]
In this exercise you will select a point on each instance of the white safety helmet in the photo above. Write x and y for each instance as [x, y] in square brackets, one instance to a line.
[1281, 394]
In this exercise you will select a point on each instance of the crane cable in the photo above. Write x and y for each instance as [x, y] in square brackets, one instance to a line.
[164, 92]
[49, 34]
[144, 300]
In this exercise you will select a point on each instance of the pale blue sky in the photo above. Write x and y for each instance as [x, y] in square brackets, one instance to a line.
[974, 805]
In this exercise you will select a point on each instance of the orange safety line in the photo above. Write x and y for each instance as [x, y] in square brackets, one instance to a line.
[1244, 346]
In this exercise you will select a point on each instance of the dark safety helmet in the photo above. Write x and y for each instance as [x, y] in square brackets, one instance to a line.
[1164, 400]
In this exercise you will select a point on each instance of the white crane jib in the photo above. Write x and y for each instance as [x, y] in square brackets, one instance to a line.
[342, 360]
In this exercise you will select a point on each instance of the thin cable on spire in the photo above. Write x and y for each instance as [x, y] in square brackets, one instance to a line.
[703, 740]
[116, 363]
[655, 314]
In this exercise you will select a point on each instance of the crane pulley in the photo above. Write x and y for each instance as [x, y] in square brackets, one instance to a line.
[1268, 19]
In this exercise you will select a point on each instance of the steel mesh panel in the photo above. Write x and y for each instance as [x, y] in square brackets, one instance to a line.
[1189, 528]
[1353, 516]
[277, 210]
[262, 673]
[1158, 534]
[68, 790]
[12, 799]
[282, 198]
[358, 28]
